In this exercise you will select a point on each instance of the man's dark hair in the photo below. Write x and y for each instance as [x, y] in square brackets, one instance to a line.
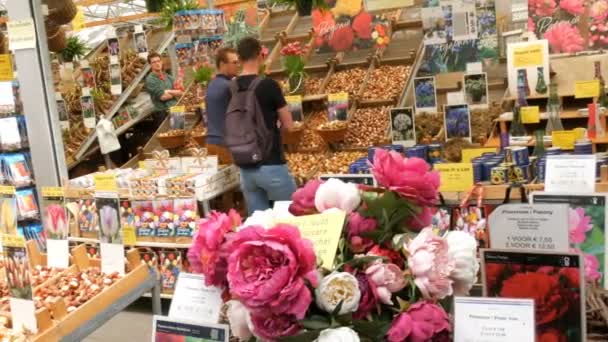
[222, 55]
[153, 55]
[249, 48]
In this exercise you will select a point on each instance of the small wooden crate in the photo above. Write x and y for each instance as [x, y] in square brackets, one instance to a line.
[332, 136]
[172, 142]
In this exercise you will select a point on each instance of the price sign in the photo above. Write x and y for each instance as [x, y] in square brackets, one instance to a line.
[586, 89]
[530, 114]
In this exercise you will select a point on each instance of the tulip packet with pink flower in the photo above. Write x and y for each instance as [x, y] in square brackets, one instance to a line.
[186, 215]
[88, 220]
[441, 220]
[170, 261]
[472, 219]
[54, 215]
[127, 215]
[164, 219]
[148, 257]
[553, 280]
[145, 228]
[586, 228]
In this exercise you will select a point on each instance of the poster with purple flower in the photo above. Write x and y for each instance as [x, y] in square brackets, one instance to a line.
[587, 229]
[425, 95]
[570, 25]
[109, 220]
[457, 121]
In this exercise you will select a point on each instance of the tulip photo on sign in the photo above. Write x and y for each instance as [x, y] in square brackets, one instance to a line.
[109, 220]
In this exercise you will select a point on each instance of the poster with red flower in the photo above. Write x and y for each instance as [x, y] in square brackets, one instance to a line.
[553, 280]
[346, 25]
[570, 25]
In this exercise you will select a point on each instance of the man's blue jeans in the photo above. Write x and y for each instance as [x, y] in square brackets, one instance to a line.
[266, 183]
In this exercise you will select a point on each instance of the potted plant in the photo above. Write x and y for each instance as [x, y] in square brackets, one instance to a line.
[170, 7]
[74, 48]
[304, 7]
[476, 88]
[202, 76]
[294, 66]
[488, 50]
[154, 6]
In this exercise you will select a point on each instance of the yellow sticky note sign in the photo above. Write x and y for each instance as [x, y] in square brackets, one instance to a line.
[52, 191]
[128, 235]
[455, 177]
[563, 139]
[468, 154]
[323, 230]
[141, 164]
[9, 240]
[293, 99]
[105, 183]
[79, 20]
[586, 89]
[177, 109]
[343, 97]
[7, 190]
[579, 133]
[528, 56]
[6, 68]
[530, 114]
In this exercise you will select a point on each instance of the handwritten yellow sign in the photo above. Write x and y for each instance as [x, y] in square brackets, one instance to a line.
[586, 89]
[177, 109]
[128, 235]
[563, 139]
[455, 177]
[293, 99]
[530, 115]
[338, 97]
[6, 68]
[105, 182]
[323, 230]
[528, 56]
[468, 154]
[9, 240]
[52, 191]
[7, 190]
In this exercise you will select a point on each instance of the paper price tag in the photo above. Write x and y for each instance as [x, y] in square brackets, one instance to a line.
[52, 191]
[128, 235]
[563, 139]
[455, 177]
[468, 154]
[105, 183]
[528, 56]
[6, 68]
[21, 34]
[293, 99]
[9, 240]
[177, 109]
[455, 98]
[569, 173]
[586, 89]
[338, 97]
[530, 114]
[7, 190]
[194, 300]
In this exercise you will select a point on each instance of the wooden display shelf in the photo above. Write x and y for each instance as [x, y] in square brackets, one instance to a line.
[57, 324]
[565, 115]
[152, 244]
[495, 142]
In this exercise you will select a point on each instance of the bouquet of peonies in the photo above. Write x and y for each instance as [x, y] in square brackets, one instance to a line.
[390, 274]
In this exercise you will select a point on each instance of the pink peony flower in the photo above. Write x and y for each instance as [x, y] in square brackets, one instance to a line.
[592, 266]
[356, 226]
[579, 224]
[410, 178]
[421, 322]
[267, 270]
[421, 220]
[369, 297]
[542, 8]
[599, 10]
[531, 25]
[564, 38]
[303, 200]
[388, 279]
[273, 327]
[430, 265]
[206, 255]
[392, 255]
[574, 7]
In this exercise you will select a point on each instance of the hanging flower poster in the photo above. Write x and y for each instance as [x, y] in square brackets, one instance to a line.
[346, 26]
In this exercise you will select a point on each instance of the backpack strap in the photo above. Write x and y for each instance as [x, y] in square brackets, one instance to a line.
[234, 86]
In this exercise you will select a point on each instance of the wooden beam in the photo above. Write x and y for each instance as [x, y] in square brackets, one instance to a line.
[94, 2]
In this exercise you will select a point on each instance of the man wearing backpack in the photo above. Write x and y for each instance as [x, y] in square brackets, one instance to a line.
[256, 114]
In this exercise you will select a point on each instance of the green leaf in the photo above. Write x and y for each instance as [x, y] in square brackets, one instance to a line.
[315, 323]
[338, 308]
[345, 319]
[358, 262]
[376, 329]
[306, 336]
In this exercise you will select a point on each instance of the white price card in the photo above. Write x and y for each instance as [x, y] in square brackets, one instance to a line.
[23, 314]
[455, 98]
[58, 253]
[194, 300]
[112, 258]
[532, 227]
[570, 173]
[174, 329]
[493, 320]
[21, 34]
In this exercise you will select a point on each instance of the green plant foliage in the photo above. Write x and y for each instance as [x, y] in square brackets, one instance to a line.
[203, 75]
[170, 7]
[289, 3]
[75, 48]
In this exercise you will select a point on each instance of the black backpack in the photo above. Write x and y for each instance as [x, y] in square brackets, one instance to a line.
[246, 134]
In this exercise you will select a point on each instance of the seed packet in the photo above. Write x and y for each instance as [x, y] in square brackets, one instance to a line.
[8, 213]
[17, 170]
[472, 219]
[92, 250]
[148, 257]
[35, 232]
[164, 218]
[54, 216]
[186, 216]
[554, 280]
[88, 221]
[170, 265]
[144, 220]
[26, 204]
[10, 138]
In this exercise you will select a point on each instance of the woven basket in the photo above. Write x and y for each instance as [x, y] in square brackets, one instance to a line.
[173, 141]
[62, 11]
[332, 136]
[292, 137]
[57, 41]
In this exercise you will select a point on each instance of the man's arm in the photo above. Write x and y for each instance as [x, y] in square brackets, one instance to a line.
[156, 89]
[285, 118]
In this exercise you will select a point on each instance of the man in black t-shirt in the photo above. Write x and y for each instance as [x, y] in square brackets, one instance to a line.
[270, 180]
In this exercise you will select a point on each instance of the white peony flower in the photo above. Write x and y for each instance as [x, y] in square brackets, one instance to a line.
[334, 193]
[342, 334]
[239, 319]
[463, 251]
[337, 287]
[265, 218]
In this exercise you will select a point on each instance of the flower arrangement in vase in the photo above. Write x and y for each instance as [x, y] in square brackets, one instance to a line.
[293, 62]
[389, 279]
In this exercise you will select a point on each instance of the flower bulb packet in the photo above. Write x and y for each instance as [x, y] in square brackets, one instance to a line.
[26, 204]
[145, 228]
[164, 218]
